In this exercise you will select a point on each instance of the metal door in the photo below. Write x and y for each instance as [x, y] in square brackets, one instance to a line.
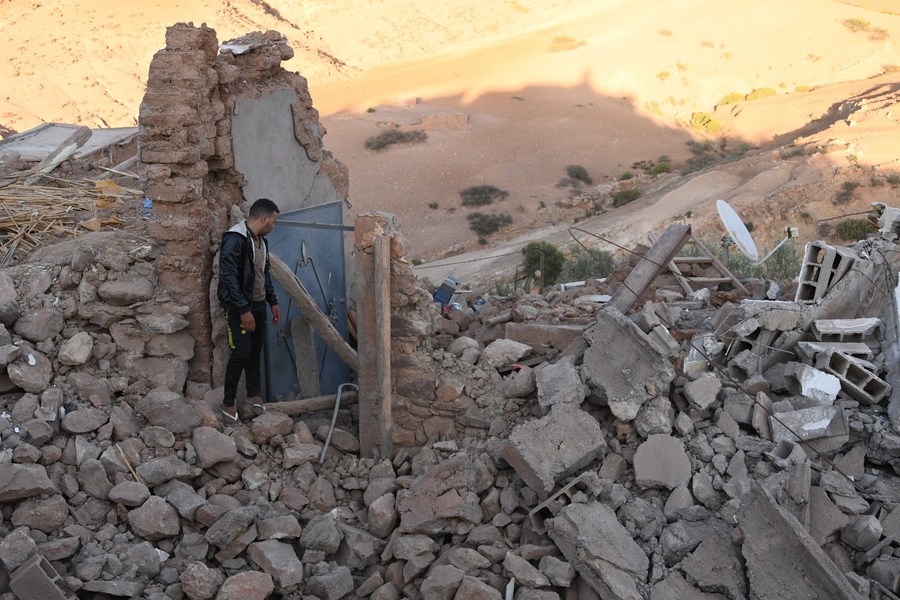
[311, 242]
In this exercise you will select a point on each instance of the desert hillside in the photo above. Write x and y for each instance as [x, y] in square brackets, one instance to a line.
[511, 93]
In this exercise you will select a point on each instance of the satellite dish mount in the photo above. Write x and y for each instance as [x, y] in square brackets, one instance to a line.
[741, 237]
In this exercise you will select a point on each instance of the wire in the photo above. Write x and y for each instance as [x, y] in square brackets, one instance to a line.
[462, 262]
[853, 214]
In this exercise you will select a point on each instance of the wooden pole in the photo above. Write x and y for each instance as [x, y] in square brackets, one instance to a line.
[383, 344]
[648, 268]
[372, 250]
[283, 274]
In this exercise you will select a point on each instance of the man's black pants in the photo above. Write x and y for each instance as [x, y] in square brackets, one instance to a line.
[246, 349]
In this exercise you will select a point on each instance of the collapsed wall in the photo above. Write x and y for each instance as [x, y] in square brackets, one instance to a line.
[188, 164]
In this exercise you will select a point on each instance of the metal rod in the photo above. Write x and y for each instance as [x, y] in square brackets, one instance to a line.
[337, 407]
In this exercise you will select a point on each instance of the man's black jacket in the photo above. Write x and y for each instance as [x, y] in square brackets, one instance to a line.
[236, 273]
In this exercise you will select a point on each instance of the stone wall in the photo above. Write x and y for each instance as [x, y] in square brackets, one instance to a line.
[187, 162]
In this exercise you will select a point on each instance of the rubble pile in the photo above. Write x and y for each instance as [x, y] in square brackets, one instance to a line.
[686, 450]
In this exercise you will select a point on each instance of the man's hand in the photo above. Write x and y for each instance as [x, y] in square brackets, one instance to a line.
[248, 323]
[276, 314]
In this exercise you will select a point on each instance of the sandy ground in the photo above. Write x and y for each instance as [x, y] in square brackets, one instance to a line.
[543, 83]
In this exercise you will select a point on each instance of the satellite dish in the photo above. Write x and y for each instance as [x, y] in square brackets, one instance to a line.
[737, 230]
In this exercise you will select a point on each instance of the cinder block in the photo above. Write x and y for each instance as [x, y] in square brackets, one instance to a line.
[869, 331]
[856, 381]
[809, 350]
[823, 266]
[586, 483]
[36, 579]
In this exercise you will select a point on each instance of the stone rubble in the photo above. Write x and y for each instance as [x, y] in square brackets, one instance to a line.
[680, 485]
[709, 446]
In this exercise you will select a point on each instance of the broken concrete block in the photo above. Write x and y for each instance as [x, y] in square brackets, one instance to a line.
[869, 331]
[661, 462]
[862, 532]
[782, 559]
[787, 453]
[601, 549]
[656, 416]
[586, 484]
[660, 338]
[630, 371]
[808, 424]
[703, 392]
[809, 350]
[762, 408]
[443, 494]
[812, 383]
[502, 353]
[824, 517]
[716, 566]
[546, 449]
[559, 383]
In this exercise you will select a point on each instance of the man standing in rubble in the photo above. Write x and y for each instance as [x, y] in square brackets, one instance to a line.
[245, 287]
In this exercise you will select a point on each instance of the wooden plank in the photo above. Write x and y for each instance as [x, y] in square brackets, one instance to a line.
[63, 152]
[283, 274]
[309, 405]
[647, 270]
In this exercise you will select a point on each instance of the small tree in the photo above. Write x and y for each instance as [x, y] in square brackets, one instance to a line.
[588, 263]
[545, 257]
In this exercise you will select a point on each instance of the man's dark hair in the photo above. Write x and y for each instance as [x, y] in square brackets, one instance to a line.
[263, 207]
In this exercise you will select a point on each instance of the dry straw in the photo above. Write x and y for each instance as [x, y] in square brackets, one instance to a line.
[29, 214]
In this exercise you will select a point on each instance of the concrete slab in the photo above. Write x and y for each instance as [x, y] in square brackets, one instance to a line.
[622, 363]
[808, 423]
[544, 450]
[661, 462]
[782, 559]
[600, 548]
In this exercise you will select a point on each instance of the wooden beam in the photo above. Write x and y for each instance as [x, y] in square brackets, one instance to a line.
[383, 344]
[64, 151]
[648, 268]
[283, 274]
[309, 405]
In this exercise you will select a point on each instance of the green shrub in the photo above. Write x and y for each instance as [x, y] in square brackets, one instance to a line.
[553, 260]
[876, 181]
[482, 224]
[846, 193]
[481, 195]
[701, 121]
[854, 229]
[580, 173]
[759, 93]
[389, 137]
[623, 197]
[803, 88]
[371, 109]
[663, 166]
[433, 205]
[626, 176]
[783, 266]
[587, 263]
[416, 262]
[855, 24]
[731, 98]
